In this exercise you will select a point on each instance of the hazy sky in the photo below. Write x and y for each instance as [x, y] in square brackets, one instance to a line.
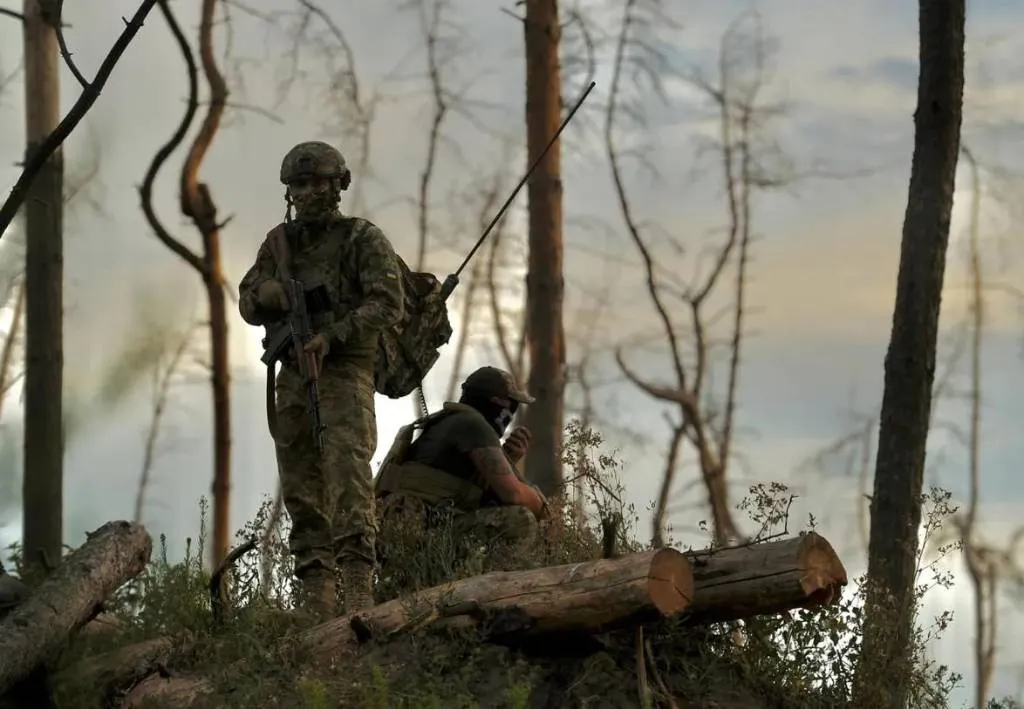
[822, 279]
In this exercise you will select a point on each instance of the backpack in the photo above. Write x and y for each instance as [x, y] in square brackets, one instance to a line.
[408, 350]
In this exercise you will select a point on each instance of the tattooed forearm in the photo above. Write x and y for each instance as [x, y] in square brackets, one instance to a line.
[496, 471]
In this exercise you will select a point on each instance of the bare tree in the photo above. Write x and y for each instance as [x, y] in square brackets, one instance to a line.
[41, 291]
[43, 476]
[545, 284]
[986, 565]
[706, 425]
[197, 204]
[910, 362]
[168, 367]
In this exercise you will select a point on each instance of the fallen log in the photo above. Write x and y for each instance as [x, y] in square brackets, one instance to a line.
[102, 624]
[38, 628]
[733, 583]
[504, 605]
[586, 597]
[703, 587]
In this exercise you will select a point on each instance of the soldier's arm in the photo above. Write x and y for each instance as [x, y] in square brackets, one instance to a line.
[496, 471]
[383, 296]
[263, 270]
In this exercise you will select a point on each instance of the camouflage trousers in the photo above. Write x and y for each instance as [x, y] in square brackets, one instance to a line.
[506, 524]
[329, 497]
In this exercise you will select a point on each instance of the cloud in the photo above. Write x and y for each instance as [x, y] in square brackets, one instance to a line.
[898, 72]
[824, 271]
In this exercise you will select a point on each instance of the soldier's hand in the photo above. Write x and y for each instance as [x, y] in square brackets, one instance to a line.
[318, 346]
[272, 296]
[545, 509]
[517, 443]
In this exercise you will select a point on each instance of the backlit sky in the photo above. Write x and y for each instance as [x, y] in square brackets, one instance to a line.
[823, 276]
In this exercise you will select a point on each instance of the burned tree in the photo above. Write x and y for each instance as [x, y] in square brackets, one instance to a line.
[43, 465]
[197, 204]
[910, 361]
[703, 423]
[544, 280]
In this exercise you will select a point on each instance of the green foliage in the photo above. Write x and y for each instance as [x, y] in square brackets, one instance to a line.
[800, 660]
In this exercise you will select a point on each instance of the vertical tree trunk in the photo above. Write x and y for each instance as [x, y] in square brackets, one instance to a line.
[42, 485]
[885, 656]
[544, 281]
[220, 375]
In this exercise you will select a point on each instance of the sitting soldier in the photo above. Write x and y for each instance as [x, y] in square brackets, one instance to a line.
[459, 463]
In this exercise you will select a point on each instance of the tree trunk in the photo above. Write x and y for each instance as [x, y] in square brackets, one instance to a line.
[43, 476]
[220, 375]
[38, 628]
[885, 657]
[544, 280]
[766, 578]
[505, 605]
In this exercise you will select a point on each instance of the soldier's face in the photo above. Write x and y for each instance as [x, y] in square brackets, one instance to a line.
[314, 198]
[506, 412]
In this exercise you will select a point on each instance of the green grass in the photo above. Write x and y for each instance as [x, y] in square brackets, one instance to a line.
[804, 660]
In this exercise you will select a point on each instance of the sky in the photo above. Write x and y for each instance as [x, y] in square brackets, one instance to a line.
[823, 270]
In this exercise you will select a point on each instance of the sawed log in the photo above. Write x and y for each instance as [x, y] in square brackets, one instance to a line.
[503, 605]
[507, 605]
[764, 578]
[724, 584]
[39, 628]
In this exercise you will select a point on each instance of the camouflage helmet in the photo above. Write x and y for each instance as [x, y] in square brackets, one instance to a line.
[314, 159]
[491, 381]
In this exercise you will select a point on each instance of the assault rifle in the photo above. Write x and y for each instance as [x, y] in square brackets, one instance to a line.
[291, 334]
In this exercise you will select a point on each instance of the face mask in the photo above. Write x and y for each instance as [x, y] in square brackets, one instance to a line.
[502, 421]
[314, 202]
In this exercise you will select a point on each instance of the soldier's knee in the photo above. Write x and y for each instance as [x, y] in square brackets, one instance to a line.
[514, 523]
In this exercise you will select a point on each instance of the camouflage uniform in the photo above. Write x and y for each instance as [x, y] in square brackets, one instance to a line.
[435, 472]
[329, 496]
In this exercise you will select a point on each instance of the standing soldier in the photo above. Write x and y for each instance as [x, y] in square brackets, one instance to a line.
[353, 292]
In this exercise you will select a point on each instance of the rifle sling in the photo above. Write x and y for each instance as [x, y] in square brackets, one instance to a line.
[277, 242]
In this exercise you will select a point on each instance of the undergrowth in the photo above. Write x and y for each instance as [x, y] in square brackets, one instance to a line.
[799, 660]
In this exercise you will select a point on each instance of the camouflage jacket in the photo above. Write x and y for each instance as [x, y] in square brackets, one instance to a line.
[354, 265]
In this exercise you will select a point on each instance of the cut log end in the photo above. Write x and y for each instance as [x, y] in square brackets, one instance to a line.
[670, 582]
[824, 574]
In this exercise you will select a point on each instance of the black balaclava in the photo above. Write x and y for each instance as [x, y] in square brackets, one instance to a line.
[497, 415]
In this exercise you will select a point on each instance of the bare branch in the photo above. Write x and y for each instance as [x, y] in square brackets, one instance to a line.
[191, 107]
[161, 398]
[350, 111]
[41, 155]
[511, 358]
[707, 425]
[196, 203]
[62, 43]
[476, 277]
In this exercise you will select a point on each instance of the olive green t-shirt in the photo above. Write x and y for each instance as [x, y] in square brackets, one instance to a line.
[446, 444]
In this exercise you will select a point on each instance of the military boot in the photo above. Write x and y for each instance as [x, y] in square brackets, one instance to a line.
[356, 585]
[317, 593]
